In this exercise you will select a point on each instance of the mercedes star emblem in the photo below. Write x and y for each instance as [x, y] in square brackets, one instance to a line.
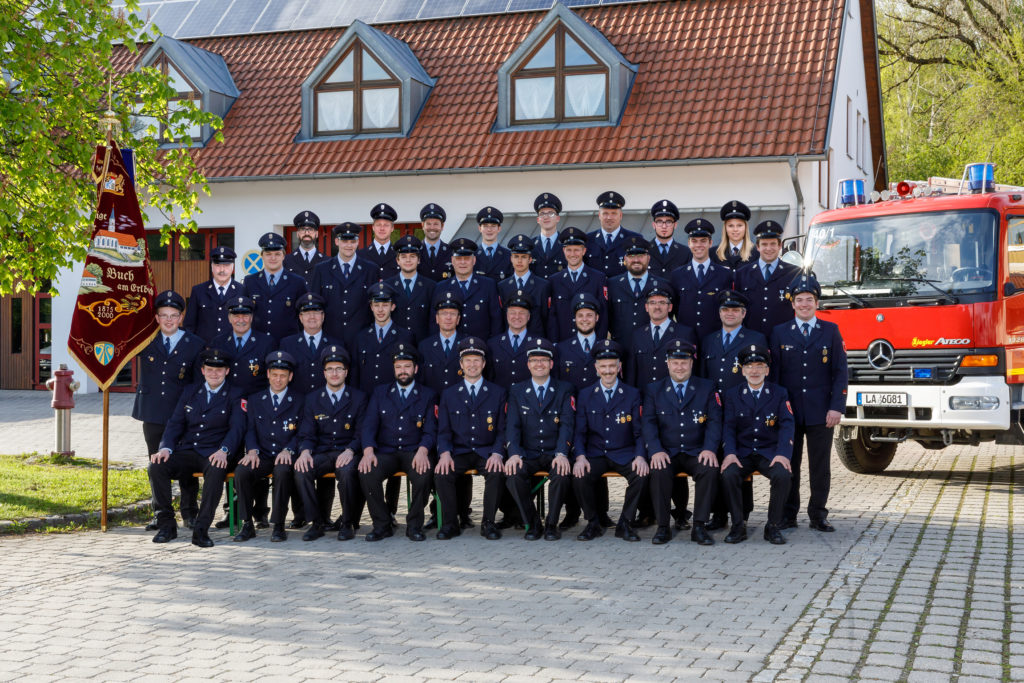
[881, 354]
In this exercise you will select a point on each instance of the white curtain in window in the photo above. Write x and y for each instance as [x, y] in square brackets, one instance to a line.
[535, 98]
[380, 108]
[585, 95]
[334, 110]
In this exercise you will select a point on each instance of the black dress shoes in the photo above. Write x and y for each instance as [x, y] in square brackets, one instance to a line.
[221, 524]
[153, 526]
[415, 535]
[737, 534]
[189, 521]
[297, 524]
[642, 522]
[551, 532]
[591, 531]
[262, 522]
[700, 535]
[569, 522]
[604, 520]
[773, 535]
[245, 533]
[662, 536]
[166, 535]
[821, 525]
[465, 522]
[717, 522]
[536, 530]
[791, 524]
[683, 521]
[490, 531]
[278, 535]
[375, 535]
[201, 538]
[446, 533]
[625, 532]
[314, 532]
[346, 532]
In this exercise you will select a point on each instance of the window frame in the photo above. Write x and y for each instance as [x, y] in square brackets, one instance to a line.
[163, 62]
[356, 86]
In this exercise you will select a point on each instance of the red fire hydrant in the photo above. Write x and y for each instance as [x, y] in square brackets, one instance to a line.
[63, 387]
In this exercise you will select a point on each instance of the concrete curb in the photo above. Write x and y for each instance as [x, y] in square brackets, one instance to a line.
[113, 515]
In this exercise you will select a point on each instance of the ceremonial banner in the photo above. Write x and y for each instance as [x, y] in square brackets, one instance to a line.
[114, 317]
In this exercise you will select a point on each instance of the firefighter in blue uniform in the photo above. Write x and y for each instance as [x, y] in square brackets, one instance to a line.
[203, 435]
[697, 284]
[507, 351]
[371, 364]
[303, 260]
[379, 251]
[575, 362]
[539, 433]
[719, 362]
[757, 435]
[810, 362]
[166, 366]
[436, 255]
[306, 346]
[206, 316]
[666, 253]
[547, 250]
[398, 434]
[764, 281]
[647, 347]
[246, 347]
[627, 292]
[440, 367]
[734, 249]
[682, 426]
[606, 245]
[574, 279]
[470, 435]
[329, 441]
[342, 282]
[492, 259]
[607, 437]
[274, 291]
[523, 282]
[481, 314]
[413, 291]
[271, 442]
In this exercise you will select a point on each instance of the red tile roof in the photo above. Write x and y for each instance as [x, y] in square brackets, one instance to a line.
[716, 79]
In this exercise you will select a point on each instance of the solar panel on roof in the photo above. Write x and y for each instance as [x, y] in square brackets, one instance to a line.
[523, 5]
[363, 10]
[203, 19]
[240, 17]
[317, 13]
[169, 16]
[484, 7]
[399, 10]
[279, 15]
[441, 8]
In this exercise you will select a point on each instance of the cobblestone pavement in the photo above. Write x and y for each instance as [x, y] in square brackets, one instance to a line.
[920, 582]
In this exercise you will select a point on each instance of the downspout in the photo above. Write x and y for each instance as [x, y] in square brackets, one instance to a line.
[799, 195]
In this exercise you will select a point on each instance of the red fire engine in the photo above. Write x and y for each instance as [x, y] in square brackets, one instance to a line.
[926, 284]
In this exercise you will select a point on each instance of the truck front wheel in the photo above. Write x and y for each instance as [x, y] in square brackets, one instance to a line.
[863, 456]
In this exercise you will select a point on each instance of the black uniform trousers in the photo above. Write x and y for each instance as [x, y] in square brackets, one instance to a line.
[318, 493]
[373, 489]
[819, 469]
[732, 481]
[446, 485]
[181, 464]
[663, 487]
[152, 432]
[520, 485]
[720, 504]
[246, 479]
[586, 486]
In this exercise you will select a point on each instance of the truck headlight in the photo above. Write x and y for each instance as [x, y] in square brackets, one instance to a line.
[974, 402]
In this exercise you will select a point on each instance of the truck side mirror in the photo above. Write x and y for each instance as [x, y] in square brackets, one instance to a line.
[1009, 289]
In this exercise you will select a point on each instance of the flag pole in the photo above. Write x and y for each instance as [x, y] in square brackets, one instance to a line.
[106, 441]
[109, 120]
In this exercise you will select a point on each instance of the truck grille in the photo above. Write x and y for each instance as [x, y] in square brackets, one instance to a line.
[942, 364]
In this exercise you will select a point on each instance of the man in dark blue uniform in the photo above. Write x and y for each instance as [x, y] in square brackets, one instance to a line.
[574, 279]
[206, 316]
[246, 347]
[306, 346]
[547, 250]
[575, 362]
[810, 362]
[413, 292]
[342, 282]
[329, 441]
[398, 434]
[764, 282]
[682, 426]
[508, 350]
[606, 245]
[697, 284]
[440, 367]
[470, 435]
[379, 251]
[523, 283]
[492, 259]
[666, 253]
[166, 366]
[627, 292]
[481, 313]
[271, 441]
[646, 359]
[436, 256]
[274, 291]
[539, 436]
[203, 435]
[303, 260]
[607, 438]
[371, 364]
[757, 436]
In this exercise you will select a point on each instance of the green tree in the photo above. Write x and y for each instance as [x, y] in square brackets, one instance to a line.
[56, 72]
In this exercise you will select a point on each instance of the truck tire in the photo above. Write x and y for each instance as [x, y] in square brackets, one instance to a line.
[862, 456]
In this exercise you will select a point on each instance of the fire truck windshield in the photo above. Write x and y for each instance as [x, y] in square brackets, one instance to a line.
[938, 257]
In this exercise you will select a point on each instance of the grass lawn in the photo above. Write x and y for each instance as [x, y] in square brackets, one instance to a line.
[35, 486]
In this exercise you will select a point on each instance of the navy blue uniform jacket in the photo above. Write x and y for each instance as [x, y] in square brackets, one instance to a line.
[768, 303]
[538, 291]
[765, 427]
[329, 428]
[609, 429]
[271, 431]
[387, 265]
[626, 310]
[481, 314]
[812, 371]
[391, 425]
[413, 312]
[721, 364]
[205, 316]
[605, 259]
[688, 426]
[697, 304]
[309, 372]
[347, 310]
[573, 364]
[562, 323]
[295, 262]
[275, 308]
[506, 367]
[437, 370]
[194, 425]
[371, 359]
[645, 360]
[548, 264]
[497, 267]
[162, 378]
[248, 366]
[662, 266]
[437, 268]
[477, 426]
[536, 429]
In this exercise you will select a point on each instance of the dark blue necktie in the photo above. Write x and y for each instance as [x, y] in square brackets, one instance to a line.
[312, 346]
[277, 402]
[271, 279]
[540, 394]
[346, 269]
[167, 345]
[680, 390]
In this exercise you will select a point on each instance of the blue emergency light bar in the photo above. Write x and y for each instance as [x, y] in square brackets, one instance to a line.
[851, 192]
[923, 373]
[981, 177]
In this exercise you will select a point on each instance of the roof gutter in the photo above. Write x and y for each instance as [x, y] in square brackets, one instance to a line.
[524, 169]
[793, 160]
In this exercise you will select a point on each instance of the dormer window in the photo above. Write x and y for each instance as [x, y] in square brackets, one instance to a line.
[359, 94]
[560, 81]
[184, 91]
